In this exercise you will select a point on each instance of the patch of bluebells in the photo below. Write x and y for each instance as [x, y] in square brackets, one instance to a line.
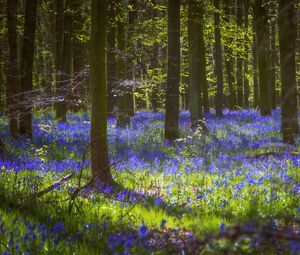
[218, 158]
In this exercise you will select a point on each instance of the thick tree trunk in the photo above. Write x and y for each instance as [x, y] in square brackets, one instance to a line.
[287, 43]
[218, 58]
[262, 44]
[12, 71]
[27, 66]
[173, 75]
[239, 61]
[99, 154]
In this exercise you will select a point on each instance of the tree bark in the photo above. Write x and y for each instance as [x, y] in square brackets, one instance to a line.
[246, 71]
[239, 61]
[59, 35]
[262, 44]
[132, 52]
[65, 80]
[229, 60]
[273, 65]
[197, 71]
[111, 58]
[255, 69]
[79, 87]
[173, 74]
[25, 127]
[218, 58]
[123, 89]
[287, 44]
[99, 153]
[12, 71]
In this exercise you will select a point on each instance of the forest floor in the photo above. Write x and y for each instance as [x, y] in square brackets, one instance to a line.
[231, 190]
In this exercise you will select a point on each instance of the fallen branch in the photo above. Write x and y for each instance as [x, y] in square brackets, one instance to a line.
[55, 185]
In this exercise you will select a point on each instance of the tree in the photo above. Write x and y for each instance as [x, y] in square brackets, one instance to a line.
[99, 153]
[262, 45]
[27, 66]
[59, 35]
[218, 58]
[111, 57]
[255, 69]
[123, 89]
[246, 72]
[12, 67]
[287, 44]
[132, 17]
[79, 54]
[228, 52]
[65, 78]
[239, 61]
[273, 60]
[197, 61]
[173, 74]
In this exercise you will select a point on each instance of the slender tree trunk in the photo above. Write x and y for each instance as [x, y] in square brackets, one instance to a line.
[123, 89]
[99, 153]
[65, 80]
[255, 70]
[246, 71]
[197, 71]
[229, 60]
[219, 67]
[287, 43]
[27, 66]
[59, 35]
[111, 59]
[132, 52]
[202, 58]
[273, 66]
[239, 61]
[79, 58]
[173, 75]
[262, 44]
[12, 71]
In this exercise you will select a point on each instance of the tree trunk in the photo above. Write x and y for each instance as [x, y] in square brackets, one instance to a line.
[195, 31]
[173, 74]
[27, 66]
[79, 57]
[132, 52]
[255, 69]
[123, 89]
[287, 43]
[12, 71]
[239, 61]
[229, 60]
[218, 58]
[262, 44]
[99, 153]
[273, 65]
[59, 35]
[246, 77]
[111, 59]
